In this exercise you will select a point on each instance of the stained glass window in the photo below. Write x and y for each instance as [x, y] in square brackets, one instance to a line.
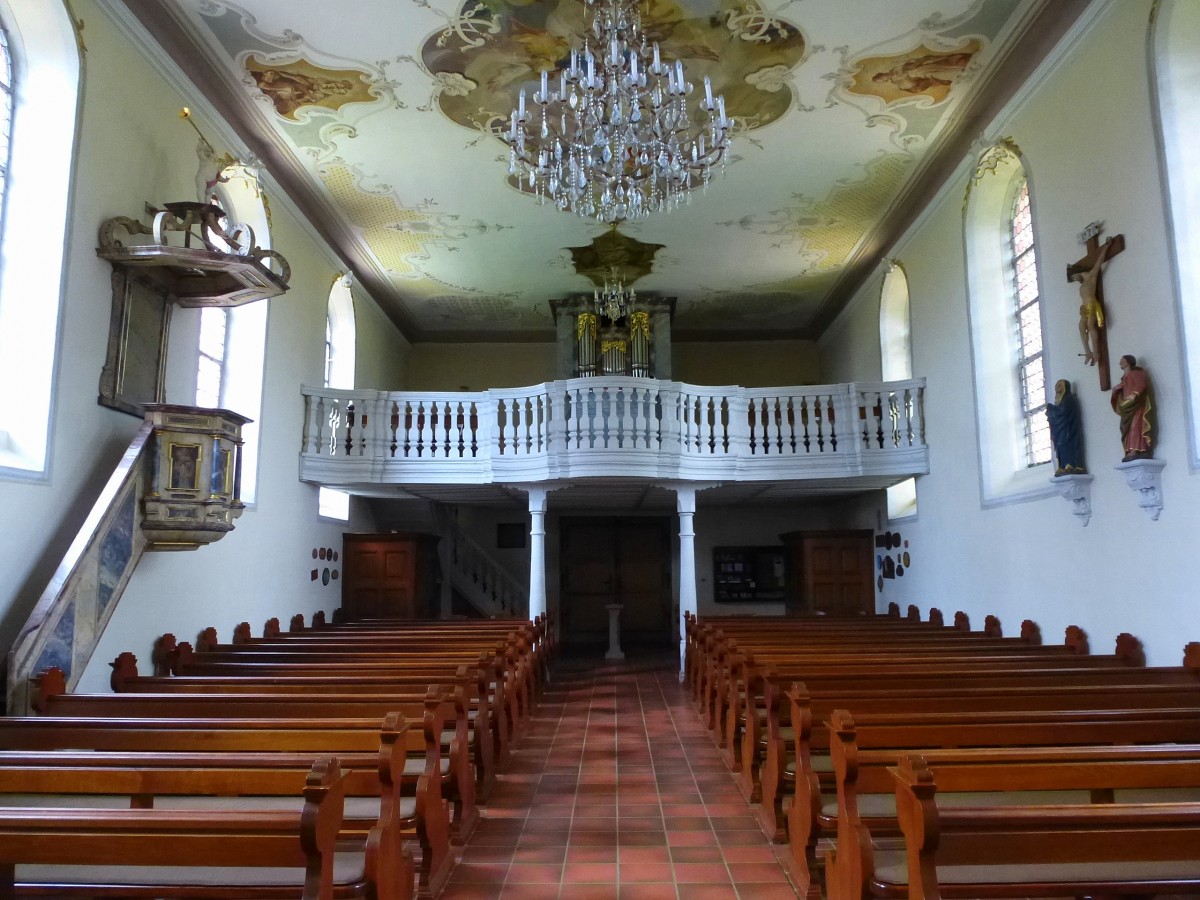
[1028, 320]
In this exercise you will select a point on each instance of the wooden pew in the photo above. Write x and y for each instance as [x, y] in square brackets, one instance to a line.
[698, 631]
[1088, 850]
[424, 775]
[158, 852]
[504, 706]
[751, 700]
[727, 656]
[544, 633]
[485, 733]
[768, 737]
[965, 720]
[1082, 761]
[225, 782]
[715, 643]
[523, 644]
[440, 708]
[512, 682]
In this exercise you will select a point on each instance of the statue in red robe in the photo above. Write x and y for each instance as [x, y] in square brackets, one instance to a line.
[1133, 402]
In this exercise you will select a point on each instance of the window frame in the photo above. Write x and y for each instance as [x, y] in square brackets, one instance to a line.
[47, 75]
[895, 364]
[1175, 66]
[1004, 475]
[246, 327]
[338, 372]
[1030, 411]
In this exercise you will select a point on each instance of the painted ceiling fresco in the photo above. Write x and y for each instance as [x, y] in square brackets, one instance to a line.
[387, 112]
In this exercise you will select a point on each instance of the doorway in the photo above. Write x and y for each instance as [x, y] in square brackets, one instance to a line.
[626, 560]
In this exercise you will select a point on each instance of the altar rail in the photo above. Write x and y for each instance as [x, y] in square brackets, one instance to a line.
[614, 426]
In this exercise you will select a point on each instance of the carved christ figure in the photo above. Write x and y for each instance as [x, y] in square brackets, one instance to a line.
[1091, 313]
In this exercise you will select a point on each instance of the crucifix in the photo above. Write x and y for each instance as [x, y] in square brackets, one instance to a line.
[1093, 328]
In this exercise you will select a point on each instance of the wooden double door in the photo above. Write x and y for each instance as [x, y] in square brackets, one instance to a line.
[625, 560]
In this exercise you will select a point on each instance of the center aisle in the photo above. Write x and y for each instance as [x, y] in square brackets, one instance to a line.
[616, 790]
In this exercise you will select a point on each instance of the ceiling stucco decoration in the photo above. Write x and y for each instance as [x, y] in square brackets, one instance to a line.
[824, 232]
[491, 310]
[614, 252]
[293, 86]
[380, 118]
[397, 235]
[922, 76]
[493, 49]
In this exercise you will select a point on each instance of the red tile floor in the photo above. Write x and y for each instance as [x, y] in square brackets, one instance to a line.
[616, 790]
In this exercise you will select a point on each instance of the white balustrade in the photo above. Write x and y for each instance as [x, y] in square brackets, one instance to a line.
[614, 425]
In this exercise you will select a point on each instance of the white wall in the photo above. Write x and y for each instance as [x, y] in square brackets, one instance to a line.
[1086, 135]
[130, 153]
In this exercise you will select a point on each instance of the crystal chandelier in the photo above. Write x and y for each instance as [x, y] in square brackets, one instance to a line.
[614, 301]
[616, 140]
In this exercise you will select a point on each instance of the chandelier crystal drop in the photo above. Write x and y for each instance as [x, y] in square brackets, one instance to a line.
[615, 301]
[611, 137]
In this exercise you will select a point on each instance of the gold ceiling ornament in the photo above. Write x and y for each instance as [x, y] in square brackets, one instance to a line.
[612, 137]
[612, 251]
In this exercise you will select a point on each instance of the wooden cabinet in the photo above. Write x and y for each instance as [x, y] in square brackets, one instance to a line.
[390, 576]
[830, 572]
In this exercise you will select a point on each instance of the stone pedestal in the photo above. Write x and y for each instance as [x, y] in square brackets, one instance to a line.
[614, 631]
[1144, 477]
[1077, 489]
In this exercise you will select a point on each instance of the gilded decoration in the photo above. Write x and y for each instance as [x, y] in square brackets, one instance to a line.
[481, 62]
[639, 323]
[295, 85]
[923, 74]
[586, 323]
[989, 161]
[613, 251]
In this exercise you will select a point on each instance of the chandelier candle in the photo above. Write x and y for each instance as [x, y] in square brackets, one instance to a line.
[616, 140]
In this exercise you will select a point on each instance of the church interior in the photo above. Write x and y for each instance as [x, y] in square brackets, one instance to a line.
[923, 299]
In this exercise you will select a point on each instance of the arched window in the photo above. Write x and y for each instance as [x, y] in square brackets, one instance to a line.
[231, 352]
[37, 142]
[895, 352]
[1003, 290]
[1175, 57]
[339, 373]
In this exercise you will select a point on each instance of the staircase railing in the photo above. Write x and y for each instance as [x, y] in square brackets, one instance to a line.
[477, 576]
[69, 617]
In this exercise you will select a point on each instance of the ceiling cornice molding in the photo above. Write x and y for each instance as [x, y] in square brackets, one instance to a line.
[1047, 34]
[154, 27]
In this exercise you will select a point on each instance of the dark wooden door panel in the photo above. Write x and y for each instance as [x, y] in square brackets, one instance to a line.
[385, 575]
